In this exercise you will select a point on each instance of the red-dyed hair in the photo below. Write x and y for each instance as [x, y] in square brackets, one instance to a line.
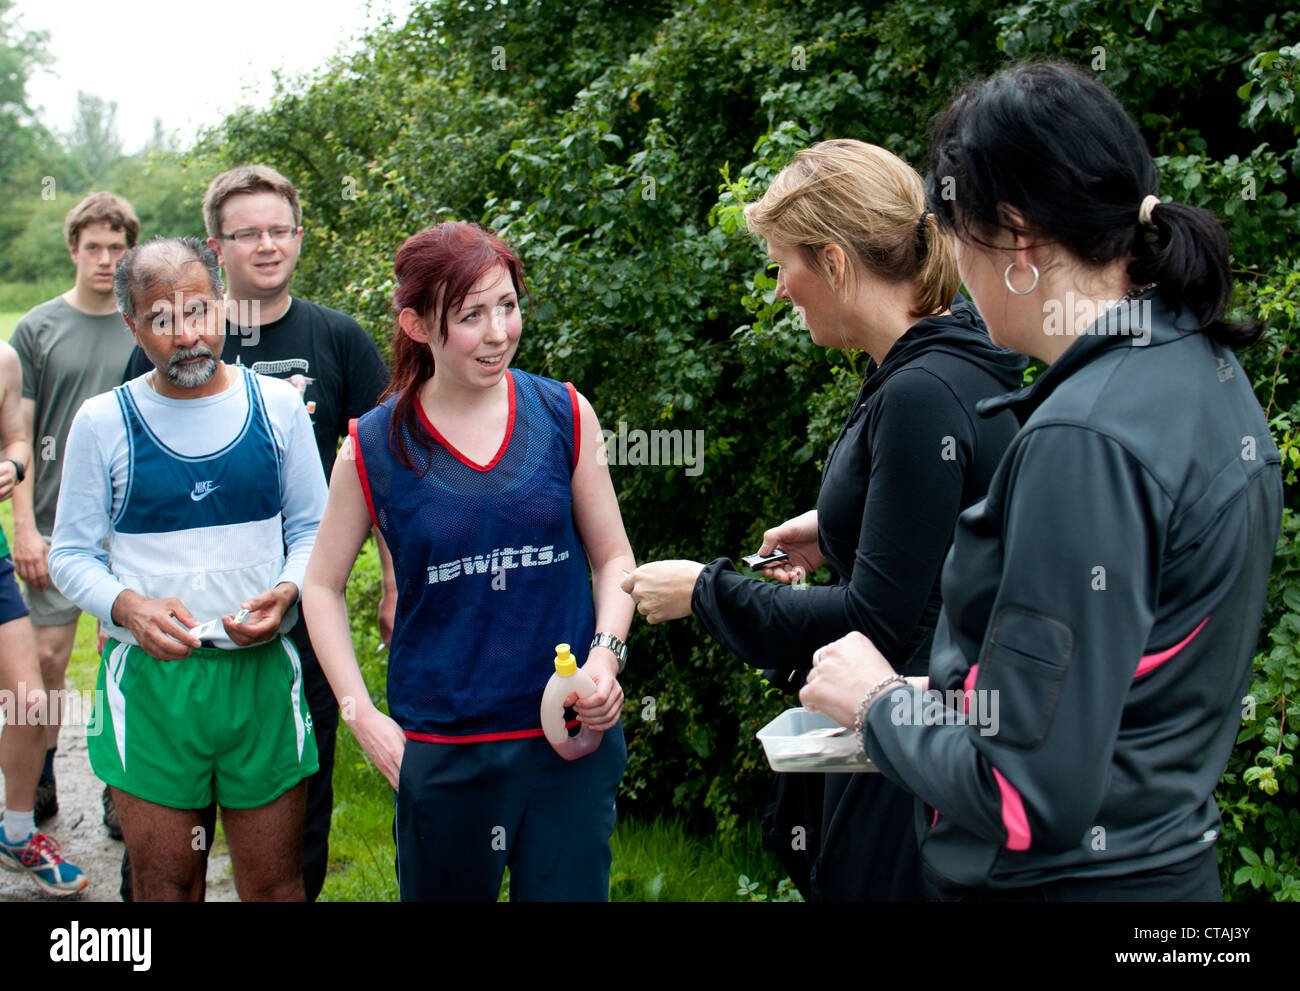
[436, 269]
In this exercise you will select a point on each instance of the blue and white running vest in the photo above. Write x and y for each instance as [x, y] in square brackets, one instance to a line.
[491, 573]
[207, 530]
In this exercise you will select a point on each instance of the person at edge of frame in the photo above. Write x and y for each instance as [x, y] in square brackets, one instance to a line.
[22, 693]
[70, 349]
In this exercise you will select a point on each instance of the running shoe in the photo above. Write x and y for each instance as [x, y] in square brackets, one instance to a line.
[111, 821]
[47, 800]
[38, 855]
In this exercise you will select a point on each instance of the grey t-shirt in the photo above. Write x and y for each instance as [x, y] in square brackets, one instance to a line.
[67, 356]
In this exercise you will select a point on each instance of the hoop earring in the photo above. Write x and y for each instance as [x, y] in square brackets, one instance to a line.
[1006, 277]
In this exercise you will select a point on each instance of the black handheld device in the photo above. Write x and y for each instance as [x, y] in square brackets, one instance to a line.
[756, 561]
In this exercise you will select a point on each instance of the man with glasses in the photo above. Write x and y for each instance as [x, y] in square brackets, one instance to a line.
[70, 348]
[254, 224]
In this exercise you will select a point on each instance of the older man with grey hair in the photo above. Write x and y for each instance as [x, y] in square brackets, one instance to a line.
[205, 480]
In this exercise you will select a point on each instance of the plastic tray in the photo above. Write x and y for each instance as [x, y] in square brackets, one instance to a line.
[789, 750]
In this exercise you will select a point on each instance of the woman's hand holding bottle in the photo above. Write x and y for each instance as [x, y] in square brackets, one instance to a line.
[602, 710]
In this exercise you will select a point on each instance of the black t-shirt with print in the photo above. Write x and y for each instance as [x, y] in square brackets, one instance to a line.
[325, 353]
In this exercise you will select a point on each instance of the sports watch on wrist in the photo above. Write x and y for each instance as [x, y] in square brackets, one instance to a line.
[616, 646]
[19, 471]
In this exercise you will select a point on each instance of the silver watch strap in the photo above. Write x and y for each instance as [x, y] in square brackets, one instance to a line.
[616, 646]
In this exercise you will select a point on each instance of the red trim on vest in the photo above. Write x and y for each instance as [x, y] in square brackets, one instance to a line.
[514, 734]
[361, 471]
[510, 427]
[1149, 662]
[577, 424]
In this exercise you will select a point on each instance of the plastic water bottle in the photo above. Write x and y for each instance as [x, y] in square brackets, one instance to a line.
[566, 681]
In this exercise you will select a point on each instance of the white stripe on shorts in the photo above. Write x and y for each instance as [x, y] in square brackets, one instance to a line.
[295, 693]
[116, 700]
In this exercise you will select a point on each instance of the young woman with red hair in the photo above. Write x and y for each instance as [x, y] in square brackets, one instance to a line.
[486, 486]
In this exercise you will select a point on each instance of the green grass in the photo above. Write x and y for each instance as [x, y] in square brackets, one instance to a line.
[7, 321]
[659, 862]
[22, 296]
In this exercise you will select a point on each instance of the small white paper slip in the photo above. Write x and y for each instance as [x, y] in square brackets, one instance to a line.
[210, 630]
[215, 630]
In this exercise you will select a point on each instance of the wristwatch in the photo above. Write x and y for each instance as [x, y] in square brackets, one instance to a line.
[614, 644]
[19, 471]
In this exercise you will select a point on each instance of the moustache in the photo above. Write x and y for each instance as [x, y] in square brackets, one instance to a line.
[198, 351]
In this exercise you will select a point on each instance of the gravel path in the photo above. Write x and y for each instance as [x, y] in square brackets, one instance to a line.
[79, 829]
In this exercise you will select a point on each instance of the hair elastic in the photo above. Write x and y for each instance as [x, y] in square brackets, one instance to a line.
[1144, 211]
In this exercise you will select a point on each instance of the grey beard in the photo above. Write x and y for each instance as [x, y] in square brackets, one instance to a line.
[191, 378]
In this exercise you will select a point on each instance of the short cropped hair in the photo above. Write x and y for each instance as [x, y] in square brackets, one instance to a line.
[161, 260]
[101, 208]
[241, 180]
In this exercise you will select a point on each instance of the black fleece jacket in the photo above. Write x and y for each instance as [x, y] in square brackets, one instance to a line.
[912, 454]
[1106, 598]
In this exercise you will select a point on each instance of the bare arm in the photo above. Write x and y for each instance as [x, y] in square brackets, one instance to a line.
[29, 552]
[343, 529]
[600, 525]
[13, 434]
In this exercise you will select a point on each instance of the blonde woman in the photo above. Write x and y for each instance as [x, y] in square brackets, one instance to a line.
[864, 264]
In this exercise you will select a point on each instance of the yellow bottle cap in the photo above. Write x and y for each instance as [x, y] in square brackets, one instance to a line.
[565, 665]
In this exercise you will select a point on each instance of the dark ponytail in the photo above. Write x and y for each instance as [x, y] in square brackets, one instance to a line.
[1186, 255]
[1055, 144]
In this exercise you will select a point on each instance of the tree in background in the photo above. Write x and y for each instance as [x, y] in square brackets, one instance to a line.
[93, 142]
[42, 175]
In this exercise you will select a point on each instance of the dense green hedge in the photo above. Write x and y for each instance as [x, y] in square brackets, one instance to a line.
[614, 146]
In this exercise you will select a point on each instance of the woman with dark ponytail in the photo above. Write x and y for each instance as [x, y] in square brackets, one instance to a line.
[1103, 602]
[486, 485]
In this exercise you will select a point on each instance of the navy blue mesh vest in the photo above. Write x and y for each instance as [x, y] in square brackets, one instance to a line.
[491, 573]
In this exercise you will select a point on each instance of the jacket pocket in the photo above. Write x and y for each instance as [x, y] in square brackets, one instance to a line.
[1024, 664]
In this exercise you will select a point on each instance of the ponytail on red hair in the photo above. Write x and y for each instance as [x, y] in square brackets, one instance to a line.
[435, 270]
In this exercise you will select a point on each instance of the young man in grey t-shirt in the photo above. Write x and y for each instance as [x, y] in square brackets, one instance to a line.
[70, 348]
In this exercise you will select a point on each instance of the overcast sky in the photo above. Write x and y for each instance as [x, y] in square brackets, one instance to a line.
[188, 63]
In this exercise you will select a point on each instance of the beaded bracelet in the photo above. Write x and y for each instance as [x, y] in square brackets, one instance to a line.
[867, 699]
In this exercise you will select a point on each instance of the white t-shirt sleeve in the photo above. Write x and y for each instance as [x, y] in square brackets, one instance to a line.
[78, 562]
[302, 481]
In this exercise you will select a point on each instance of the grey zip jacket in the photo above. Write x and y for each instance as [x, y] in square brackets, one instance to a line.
[1103, 602]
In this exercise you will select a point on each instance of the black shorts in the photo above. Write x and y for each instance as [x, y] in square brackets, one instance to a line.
[12, 605]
